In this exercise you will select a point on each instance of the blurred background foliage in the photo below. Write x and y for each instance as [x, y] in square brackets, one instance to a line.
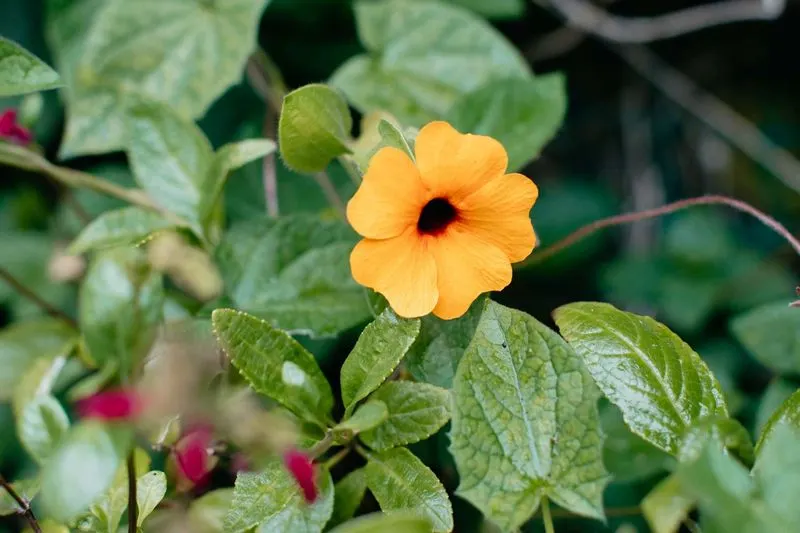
[711, 274]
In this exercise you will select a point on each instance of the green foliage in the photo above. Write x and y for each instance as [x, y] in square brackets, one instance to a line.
[207, 513]
[367, 416]
[21, 72]
[126, 226]
[658, 382]
[401, 482]
[271, 501]
[524, 410]
[395, 522]
[25, 488]
[787, 414]
[771, 333]
[41, 426]
[348, 493]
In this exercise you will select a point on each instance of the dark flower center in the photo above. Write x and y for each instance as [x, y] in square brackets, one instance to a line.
[436, 216]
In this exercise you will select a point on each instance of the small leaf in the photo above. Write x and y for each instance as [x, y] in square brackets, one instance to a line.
[658, 382]
[108, 510]
[777, 392]
[416, 411]
[523, 114]
[397, 522]
[525, 422]
[42, 426]
[121, 302]
[22, 72]
[23, 343]
[771, 333]
[666, 506]
[274, 364]
[126, 226]
[170, 158]
[434, 356]
[295, 273]
[271, 501]
[728, 433]
[405, 71]
[150, 490]
[314, 128]
[401, 482]
[38, 381]
[228, 159]
[775, 472]
[25, 488]
[788, 413]
[496, 9]
[378, 351]
[83, 468]
[207, 513]
[367, 416]
[392, 136]
[347, 495]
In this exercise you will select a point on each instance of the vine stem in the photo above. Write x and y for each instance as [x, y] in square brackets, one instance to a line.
[35, 298]
[133, 509]
[24, 505]
[627, 218]
[322, 446]
[547, 518]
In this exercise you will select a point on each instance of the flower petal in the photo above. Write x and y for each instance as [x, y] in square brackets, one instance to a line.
[118, 404]
[401, 268]
[302, 469]
[390, 198]
[454, 165]
[499, 213]
[467, 266]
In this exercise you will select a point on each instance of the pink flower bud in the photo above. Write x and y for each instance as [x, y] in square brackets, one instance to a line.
[302, 469]
[10, 129]
[118, 404]
[193, 454]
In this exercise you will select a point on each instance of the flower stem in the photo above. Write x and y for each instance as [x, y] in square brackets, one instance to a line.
[329, 190]
[322, 446]
[35, 298]
[334, 460]
[627, 218]
[133, 509]
[24, 505]
[546, 516]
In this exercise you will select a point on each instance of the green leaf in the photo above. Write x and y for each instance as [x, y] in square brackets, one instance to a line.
[347, 495]
[185, 54]
[788, 413]
[416, 411]
[392, 136]
[775, 472]
[271, 500]
[207, 513]
[498, 9]
[523, 114]
[121, 302]
[401, 482]
[728, 433]
[367, 416]
[274, 364]
[38, 381]
[661, 386]
[41, 427]
[170, 158]
[627, 456]
[83, 468]
[378, 351]
[525, 422]
[395, 522]
[771, 333]
[126, 226]
[25, 488]
[777, 392]
[227, 159]
[23, 343]
[22, 72]
[107, 511]
[422, 57]
[434, 356]
[666, 506]
[295, 273]
[314, 128]
[150, 490]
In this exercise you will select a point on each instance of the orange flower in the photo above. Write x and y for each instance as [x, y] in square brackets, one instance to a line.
[443, 229]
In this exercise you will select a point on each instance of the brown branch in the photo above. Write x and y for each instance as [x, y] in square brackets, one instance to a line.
[35, 298]
[592, 19]
[24, 505]
[627, 218]
[133, 507]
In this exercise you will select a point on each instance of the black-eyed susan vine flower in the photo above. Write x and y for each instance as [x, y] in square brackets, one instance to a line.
[443, 228]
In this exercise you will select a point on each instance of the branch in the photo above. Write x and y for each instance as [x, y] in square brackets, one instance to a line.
[627, 218]
[24, 505]
[35, 298]
[133, 506]
[592, 19]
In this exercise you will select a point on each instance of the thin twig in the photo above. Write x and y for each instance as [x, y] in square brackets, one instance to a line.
[35, 298]
[547, 518]
[133, 508]
[71, 201]
[24, 505]
[329, 190]
[269, 171]
[591, 19]
[627, 218]
[334, 459]
[322, 446]
[714, 113]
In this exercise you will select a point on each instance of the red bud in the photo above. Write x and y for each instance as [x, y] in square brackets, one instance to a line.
[119, 404]
[302, 469]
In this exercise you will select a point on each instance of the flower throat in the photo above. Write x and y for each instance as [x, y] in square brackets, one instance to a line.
[436, 216]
